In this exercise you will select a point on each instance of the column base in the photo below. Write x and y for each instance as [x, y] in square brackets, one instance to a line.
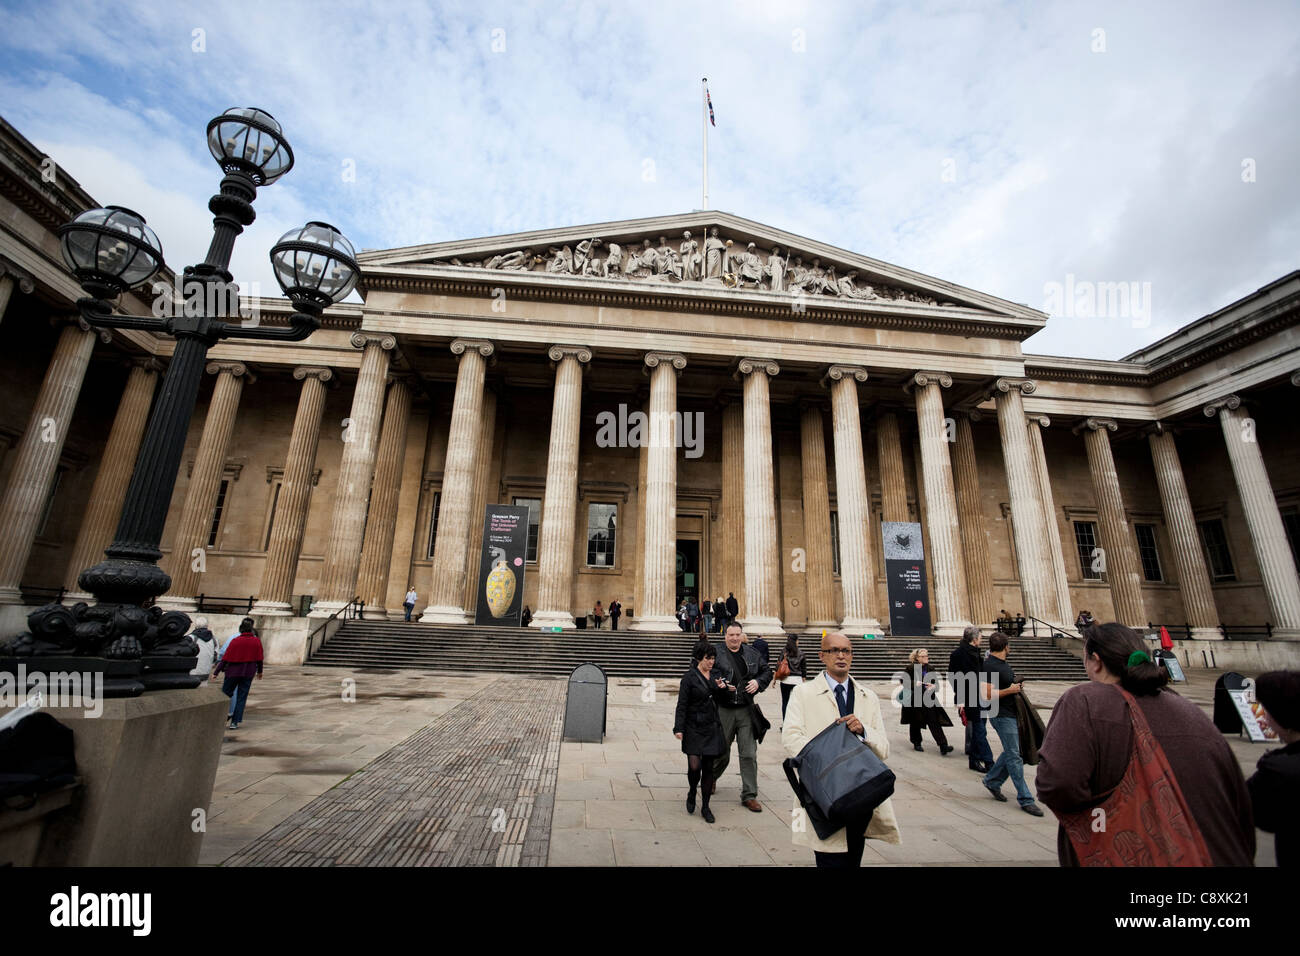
[548, 619]
[817, 627]
[444, 615]
[374, 614]
[1207, 634]
[656, 622]
[1284, 634]
[326, 608]
[170, 603]
[11, 596]
[73, 597]
[952, 629]
[762, 626]
[273, 608]
[861, 626]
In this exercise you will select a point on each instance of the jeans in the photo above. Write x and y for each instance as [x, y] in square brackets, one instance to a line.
[1009, 763]
[409, 609]
[236, 688]
[977, 740]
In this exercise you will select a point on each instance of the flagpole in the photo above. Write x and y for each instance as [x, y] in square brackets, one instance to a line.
[704, 124]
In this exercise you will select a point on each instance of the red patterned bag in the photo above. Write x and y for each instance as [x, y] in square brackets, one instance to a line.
[1146, 819]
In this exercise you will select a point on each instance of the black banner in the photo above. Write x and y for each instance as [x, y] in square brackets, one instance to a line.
[909, 605]
[501, 567]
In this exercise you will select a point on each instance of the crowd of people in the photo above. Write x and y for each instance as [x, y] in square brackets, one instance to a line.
[1163, 778]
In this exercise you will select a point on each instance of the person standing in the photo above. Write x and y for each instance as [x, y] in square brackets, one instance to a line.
[964, 665]
[794, 663]
[721, 620]
[526, 617]
[1275, 785]
[922, 709]
[1001, 683]
[740, 667]
[692, 616]
[597, 615]
[733, 608]
[835, 697]
[706, 611]
[697, 726]
[1166, 782]
[241, 660]
[207, 651]
[615, 612]
[409, 603]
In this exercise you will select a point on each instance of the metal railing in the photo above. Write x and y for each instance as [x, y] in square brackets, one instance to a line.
[1246, 632]
[350, 611]
[232, 605]
[1178, 632]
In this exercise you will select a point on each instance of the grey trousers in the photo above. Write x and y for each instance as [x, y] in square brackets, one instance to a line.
[737, 726]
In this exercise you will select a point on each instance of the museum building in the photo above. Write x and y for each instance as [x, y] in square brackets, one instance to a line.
[687, 406]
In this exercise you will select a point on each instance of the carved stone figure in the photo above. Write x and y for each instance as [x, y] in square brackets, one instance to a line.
[692, 263]
[847, 287]
[750, 267]
[644, 263]
[585, 258]
[521, 260]
[614, 261]
[670, 266]
[815, 282]
[561, 261]
[797, 276]
[775, 270]
[714, 254]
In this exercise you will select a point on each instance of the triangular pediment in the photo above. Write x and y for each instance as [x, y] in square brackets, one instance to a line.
[705, 251]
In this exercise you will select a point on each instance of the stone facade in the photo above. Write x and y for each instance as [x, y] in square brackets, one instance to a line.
[504, 366]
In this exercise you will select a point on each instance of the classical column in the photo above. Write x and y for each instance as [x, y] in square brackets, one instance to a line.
[733, 502]
[9, 278]
[1277, 566]
[450, 550]
[36, 458]
[852, 503]
[276, 590]
[659, 540]
[941, 504]
[377, 546]
[115, 466]
[482, 473]
[188, 559]
[974, 539]
[1026, 509]
[560, 501]
[338, 580]
[1059, 584]
[893, 483]
[1120, 561]
[761, 612]
[1189, 560]
[820, 598]
[642, 471]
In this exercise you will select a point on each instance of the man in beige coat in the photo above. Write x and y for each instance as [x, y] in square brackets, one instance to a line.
[814, 707]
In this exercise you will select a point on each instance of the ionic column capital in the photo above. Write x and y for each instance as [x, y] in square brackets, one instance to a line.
[836, 372]
[319, 372]
[73, 318]
[1230, 402]
[236, 369]
[922, 379]
[1039, 419]
[1002, 386]
[1295, 377]
[747, 366]
[21, 277]
[360, 340]
[482, 346]
[558, 353]
[1096, 424]
[652, 360]
[147, 362]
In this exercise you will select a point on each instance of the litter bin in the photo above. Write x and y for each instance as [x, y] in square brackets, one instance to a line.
[584, 709]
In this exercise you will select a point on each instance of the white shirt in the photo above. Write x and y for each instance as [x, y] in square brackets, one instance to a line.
[410, 596]
[833, 684]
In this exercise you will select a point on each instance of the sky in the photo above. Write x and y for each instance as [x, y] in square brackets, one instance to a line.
[1033, 151]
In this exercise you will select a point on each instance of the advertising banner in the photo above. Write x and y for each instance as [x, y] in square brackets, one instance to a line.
[909, 605]
[501, 566]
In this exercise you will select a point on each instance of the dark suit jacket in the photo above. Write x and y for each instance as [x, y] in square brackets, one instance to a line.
[697, 716]
[755, 668]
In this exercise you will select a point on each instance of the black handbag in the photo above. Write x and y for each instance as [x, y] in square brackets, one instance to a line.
[838, 779]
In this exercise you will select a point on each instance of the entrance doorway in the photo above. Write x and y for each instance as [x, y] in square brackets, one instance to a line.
[688, 571]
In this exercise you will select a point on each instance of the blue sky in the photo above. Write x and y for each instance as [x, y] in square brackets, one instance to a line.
[1002, 146]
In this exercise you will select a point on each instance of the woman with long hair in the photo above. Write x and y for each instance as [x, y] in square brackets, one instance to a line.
[1125, 750]
[698, 726]
[922, 707]
[795, 667]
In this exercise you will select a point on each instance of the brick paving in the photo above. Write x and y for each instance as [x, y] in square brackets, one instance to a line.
[476, 787]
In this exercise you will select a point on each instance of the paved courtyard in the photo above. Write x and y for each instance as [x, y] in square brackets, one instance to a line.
[423, 768]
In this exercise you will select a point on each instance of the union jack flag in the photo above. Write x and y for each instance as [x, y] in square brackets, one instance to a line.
[709, 100]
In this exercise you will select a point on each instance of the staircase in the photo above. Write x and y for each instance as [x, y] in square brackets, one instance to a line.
[635, 654]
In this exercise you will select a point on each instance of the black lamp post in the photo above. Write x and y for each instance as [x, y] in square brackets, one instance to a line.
[111, 250]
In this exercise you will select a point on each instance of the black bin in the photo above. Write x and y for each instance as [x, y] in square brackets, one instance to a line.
[584, 708]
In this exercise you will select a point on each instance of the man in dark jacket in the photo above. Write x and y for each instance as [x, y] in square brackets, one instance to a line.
[1275, 785]
[964, 665]
[733, 607]
[746, 675]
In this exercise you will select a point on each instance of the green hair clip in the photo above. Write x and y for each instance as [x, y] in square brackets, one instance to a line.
[1138, 657]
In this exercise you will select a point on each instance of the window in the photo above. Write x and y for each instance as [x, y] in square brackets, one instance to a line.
[217, 512]
[835, 542]
[433, 522]
[1291, 521]
[1085, 541]
[1146, 538]
[601, 522]
[1215, 543]
[534, 506]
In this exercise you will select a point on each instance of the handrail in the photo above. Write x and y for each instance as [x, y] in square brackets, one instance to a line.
[217, 601]
[1052, 629]
[1173, 629]
[355, 602]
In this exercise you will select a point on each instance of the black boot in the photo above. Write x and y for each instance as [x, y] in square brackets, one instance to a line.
[690, 801]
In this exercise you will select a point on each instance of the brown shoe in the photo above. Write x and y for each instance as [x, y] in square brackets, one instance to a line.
[753, 805]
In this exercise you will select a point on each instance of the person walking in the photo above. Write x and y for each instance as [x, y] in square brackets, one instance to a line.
[721, 620]
[207, 651]
[241, 660]
[1163, 778]
[791, 671]
[682, 619]
[526, 617]
[697, 726]
[964, 665]
[692, 616]
[835, 697]
[409, 603]
[706, 611]
[921, 708]
[615, 612]
[597, 615]
[733, 608]
[746, 675]
[1275, 785]
[1000, 683]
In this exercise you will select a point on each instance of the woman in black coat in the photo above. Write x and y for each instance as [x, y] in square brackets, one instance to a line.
[921, 705]
[697, 725]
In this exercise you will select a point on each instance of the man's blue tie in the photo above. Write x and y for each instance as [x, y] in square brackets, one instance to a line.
[839, 699]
